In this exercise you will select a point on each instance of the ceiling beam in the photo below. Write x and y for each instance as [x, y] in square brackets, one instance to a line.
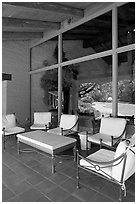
[27, 23]
[50, 7]
[21, 35]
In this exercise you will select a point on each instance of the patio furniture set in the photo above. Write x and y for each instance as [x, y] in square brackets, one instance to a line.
[115, 161]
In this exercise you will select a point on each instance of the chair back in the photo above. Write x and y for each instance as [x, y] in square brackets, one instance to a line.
[69, 121]
[8, 121]
[129, 167]
[113, 126]
[42, 117]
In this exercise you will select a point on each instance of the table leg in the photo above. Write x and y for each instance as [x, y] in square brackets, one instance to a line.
[53, 165]
[74, 151]
[18, 147]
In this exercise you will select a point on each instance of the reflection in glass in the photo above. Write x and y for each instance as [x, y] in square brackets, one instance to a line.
[95, 90]
[126, 24]
[43, 54]
[91, 37]
[126, 83]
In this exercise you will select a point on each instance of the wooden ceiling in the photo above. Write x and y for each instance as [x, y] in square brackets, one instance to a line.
[29, 20]
[33, 18]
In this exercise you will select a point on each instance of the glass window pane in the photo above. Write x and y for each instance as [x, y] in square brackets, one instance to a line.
[126, 83]
[91, 37]
[43, 95]
[126, 24]
[44, 54]
[95, 91]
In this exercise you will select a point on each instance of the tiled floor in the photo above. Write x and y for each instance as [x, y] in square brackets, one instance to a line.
[27, 178]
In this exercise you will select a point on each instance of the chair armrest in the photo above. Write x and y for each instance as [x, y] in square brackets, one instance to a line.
[94, 162]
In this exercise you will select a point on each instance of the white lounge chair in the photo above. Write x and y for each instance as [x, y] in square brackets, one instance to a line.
[42, 121]
[68, 124]
[116, 167]
[10, 126]
[112, 130]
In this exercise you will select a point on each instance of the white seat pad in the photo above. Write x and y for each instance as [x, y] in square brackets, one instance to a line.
[14, 130]
[96, 138]
[38, 126]
[101, 156]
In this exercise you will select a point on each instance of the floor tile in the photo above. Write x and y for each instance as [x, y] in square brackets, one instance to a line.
[101, 198]
[6, 171]
[84, 194]
[58, 178]
[15, 199]
[35, 179]
[20, 187]
[3, 186]
[128, 198]
[131, 188]
[43, 199]
[12, 180]
[46, 186]
[71, 172]
[111, 190]
[72, 199]
[31, 195]
[92, 181]
[58, 195]
[69, 185]
[32, 162]
[7, 194]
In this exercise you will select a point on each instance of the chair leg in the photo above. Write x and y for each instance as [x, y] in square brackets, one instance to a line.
[120, 196]
[122, 191]
[4, 142]
[78, 177]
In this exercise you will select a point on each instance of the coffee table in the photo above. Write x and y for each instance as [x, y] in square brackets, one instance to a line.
[47, 142]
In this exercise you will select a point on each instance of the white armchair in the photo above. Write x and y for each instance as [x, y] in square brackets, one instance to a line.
[10, 126]
[112, 130]
[116, 167]
[68, 124]
[42, 120]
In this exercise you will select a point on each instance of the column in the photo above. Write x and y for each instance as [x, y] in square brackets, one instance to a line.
[114, 61]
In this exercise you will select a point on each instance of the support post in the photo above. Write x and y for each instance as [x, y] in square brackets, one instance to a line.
[78, 186]
[114, 61]
[59, 76]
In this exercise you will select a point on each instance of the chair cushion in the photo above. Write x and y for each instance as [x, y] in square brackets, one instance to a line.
[14, 130]
[38, 126]
[42, 118]
[112, 126]
[68, 121]
[101, 155]
[106, 139]
[130, 162]
[8, 121]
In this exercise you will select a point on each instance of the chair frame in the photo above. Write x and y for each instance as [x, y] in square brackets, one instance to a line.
[97, 167]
